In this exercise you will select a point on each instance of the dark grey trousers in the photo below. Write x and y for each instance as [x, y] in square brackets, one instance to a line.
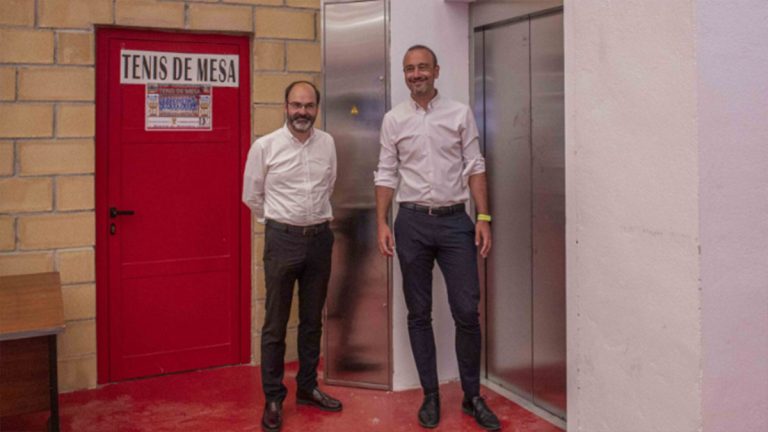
[290, 257]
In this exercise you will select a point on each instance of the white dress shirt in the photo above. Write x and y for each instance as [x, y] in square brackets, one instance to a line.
[289, 181]
[434, 150]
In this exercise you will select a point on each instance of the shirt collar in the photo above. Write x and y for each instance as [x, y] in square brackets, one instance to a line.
[290, 136]
[430, 106]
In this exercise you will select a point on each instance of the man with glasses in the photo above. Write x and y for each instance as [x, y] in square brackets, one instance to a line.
[430, 153]
[289, 179]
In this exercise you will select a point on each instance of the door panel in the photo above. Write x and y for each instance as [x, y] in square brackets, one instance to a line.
[507, 146]
[548, 222]
[519, 66]
[174, 289]
[357, 338]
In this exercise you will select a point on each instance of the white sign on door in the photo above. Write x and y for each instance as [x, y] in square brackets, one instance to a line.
[144, 67]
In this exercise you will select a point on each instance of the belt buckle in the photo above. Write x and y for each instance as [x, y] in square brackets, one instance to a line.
[429, 211]
[305, 231]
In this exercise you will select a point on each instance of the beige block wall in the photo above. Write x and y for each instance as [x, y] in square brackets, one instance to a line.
[47, 127]
[56, 83]
[304, 56]
[7, 233]
[26, 120]
[14, 263]
[18, 12]
[76, 265]
[74, 193]
[26, 194]
[7, 84]
[76, 48]
[75, 120]
[26, 46]
[6, 158]
[149, 13]
[79, 302]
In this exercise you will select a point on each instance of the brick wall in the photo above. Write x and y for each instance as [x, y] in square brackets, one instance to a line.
[47, 51]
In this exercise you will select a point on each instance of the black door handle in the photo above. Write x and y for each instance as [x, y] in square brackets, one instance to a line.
[114, 212]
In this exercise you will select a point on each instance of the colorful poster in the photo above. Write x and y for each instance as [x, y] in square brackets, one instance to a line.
[178, 106]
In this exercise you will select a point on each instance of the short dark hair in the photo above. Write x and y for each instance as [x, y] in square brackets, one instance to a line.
[293, 84]
[423, 47]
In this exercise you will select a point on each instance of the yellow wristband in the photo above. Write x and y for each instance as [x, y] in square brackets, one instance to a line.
[483, 217]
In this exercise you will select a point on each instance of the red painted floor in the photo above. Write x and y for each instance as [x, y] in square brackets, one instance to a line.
[230, 399]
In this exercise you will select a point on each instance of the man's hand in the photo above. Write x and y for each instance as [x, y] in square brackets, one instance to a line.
[482, 237]
[386, 242]
[383, 199]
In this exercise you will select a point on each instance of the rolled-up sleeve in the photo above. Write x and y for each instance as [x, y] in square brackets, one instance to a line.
[386, 172]
[474, 162]
[253, 180]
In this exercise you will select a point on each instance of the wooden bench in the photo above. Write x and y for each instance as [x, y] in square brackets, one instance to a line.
[31, 315]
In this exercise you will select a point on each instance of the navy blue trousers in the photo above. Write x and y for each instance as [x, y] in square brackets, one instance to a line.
[288, 258]
[420, 240]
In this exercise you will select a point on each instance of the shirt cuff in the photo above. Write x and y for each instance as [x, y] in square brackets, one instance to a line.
[474, 166]
[382, 180]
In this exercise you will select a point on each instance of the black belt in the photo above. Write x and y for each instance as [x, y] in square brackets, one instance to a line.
[309, 230]
[433, 211]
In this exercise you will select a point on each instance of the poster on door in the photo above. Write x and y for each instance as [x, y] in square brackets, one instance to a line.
[178, 106]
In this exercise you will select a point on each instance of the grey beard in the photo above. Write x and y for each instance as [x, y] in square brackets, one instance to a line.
[301, 125]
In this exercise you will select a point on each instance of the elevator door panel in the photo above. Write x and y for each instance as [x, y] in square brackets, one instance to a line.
[507, 146]
[548, 206]
[357, 339]
[519, 102]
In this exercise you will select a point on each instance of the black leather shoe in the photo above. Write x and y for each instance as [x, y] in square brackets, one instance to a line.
[429, 413]
[318, 399]
[272, 419]
[483, 415]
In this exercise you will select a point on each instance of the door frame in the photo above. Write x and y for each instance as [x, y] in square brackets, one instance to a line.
[101, 177]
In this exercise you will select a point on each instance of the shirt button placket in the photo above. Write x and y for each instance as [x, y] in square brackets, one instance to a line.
[428, 153]
[305, 169]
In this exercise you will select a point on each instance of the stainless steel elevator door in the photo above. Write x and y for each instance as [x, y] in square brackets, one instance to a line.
[508, 155]
[548, 207]
[519, 101]
[357, 330]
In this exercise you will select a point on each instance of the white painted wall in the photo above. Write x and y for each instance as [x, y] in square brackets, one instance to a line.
[733, 189]
[667, 197]
[633, 296]
[444, 27]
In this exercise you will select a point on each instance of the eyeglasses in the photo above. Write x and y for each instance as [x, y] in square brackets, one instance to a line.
[421, 67]
[297, 106]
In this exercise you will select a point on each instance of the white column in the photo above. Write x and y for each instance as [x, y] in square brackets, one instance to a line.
[733, 191]
[667, 199]
[444, 27]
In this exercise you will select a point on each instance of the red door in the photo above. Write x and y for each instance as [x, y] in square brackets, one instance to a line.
[173, 249]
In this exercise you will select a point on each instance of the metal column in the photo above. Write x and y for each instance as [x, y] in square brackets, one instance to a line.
[357, 331]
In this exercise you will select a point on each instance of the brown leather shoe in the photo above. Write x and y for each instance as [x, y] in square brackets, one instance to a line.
[318, 399]
[272, 419]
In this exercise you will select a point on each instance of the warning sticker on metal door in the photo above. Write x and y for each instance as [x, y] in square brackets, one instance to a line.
[179, 107]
